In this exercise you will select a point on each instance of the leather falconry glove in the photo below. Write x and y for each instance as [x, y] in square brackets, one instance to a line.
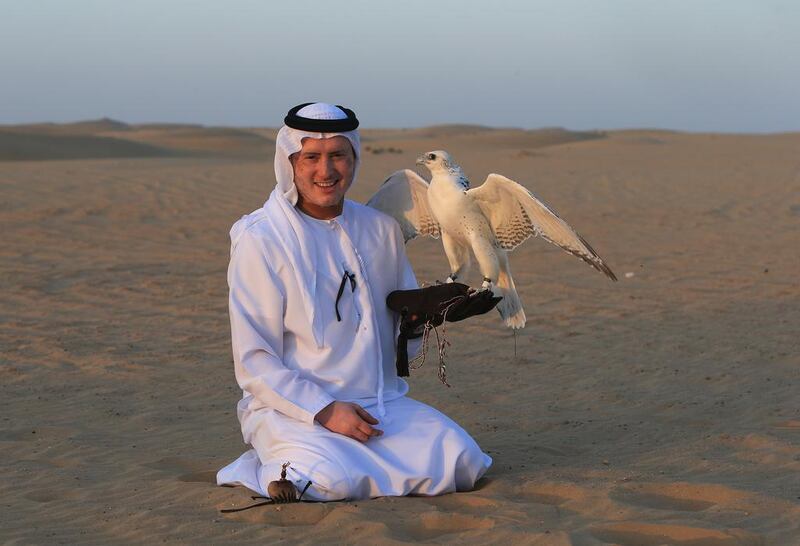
[433, 305]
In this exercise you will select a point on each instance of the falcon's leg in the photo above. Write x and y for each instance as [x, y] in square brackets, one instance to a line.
[510, 307]
[457, 255]
[486, 254]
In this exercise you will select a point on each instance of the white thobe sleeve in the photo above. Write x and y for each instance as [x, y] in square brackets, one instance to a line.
[256, 306]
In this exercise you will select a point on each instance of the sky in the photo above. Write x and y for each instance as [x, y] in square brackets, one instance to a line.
[693, 65]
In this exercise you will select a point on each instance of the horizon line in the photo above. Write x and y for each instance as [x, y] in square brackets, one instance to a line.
[106, 119]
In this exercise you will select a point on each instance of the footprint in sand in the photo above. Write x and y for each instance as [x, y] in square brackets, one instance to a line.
[687, 497]
[432, 525]
[554, 494]
[462, 501]
[647, 534]
[773, 450]
[791, 424]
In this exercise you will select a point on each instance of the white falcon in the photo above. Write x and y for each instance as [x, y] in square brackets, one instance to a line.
[490, 220]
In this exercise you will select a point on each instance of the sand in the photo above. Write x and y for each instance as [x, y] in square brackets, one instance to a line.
[661, 409]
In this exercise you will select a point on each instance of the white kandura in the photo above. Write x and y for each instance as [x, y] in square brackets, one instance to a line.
[489, 220]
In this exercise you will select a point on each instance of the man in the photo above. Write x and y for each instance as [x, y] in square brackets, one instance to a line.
[314, 343]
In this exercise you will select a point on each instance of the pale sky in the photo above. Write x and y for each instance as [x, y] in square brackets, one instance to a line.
[696, 65]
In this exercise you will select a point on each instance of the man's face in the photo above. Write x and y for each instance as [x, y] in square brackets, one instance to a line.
[323, 172]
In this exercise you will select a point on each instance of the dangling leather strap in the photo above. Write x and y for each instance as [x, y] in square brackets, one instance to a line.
[401, 363]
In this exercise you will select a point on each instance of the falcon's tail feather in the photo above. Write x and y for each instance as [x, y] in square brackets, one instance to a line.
[510, 307]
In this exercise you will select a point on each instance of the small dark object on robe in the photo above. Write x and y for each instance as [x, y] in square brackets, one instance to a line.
[424, 308]
[280, 492]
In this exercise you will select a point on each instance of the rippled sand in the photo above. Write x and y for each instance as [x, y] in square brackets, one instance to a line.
[661, 409]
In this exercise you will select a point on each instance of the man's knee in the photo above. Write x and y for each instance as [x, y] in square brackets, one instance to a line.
[471, 463]
[329, 481]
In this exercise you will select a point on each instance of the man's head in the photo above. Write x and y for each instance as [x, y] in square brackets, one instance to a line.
[323, 172]
[317, 157]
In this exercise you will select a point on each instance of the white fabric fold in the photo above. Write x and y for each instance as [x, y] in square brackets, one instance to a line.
[422, 452]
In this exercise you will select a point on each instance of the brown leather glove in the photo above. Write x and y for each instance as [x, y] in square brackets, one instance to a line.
[434, 304]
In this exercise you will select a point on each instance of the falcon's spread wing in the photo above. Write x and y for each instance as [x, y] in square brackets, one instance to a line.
[404, 197]
[515, 214]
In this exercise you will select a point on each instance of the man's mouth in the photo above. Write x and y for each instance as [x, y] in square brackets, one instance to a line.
[326, 184]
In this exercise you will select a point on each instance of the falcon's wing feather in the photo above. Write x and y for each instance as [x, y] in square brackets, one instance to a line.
[404, 197]
[515, 214]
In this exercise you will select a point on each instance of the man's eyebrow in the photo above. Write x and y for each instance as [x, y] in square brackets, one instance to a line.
[341, 151]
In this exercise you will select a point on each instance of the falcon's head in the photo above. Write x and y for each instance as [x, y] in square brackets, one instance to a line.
[436, 160]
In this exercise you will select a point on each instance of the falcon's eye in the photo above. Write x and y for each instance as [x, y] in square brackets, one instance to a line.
[431, 157]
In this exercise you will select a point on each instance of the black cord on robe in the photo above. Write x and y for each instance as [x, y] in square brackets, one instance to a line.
[352, 277]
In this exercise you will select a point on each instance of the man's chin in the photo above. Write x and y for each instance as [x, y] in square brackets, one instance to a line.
[329, 200]
[328, 204]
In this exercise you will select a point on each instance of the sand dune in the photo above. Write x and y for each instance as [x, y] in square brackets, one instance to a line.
[25, 146]
[448, 136]
[205, 140]
[107, 138]
[88, 127]
[658, 410]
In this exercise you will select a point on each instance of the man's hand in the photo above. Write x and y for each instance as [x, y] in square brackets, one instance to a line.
[476, 303]
[348, 419]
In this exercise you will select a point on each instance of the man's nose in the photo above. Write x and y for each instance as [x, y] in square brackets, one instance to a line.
[326, 169]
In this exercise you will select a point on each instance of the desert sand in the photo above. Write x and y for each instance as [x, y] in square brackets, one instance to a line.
[659, 410]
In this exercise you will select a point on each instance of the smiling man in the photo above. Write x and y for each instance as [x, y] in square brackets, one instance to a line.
[323, 172]
[313, 340]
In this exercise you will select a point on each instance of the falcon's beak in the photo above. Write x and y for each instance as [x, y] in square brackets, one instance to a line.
[421, 160]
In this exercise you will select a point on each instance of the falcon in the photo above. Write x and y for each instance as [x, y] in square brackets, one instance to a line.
[489, 220]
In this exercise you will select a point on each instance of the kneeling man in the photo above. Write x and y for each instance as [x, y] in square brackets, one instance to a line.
[313, 340]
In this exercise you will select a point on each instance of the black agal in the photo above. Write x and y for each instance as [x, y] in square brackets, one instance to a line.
[350, 123]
